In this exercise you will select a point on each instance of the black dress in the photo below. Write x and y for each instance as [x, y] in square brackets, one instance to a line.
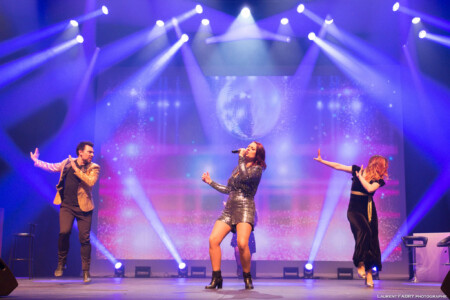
[365, 232]
[241, 188]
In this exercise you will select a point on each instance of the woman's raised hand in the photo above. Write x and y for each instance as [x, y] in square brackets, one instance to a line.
[318, 158]
[35, 156]
[206, 178]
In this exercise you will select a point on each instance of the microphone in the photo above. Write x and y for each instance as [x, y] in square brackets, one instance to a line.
[235, 151]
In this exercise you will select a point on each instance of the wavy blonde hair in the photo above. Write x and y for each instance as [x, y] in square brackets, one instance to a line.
[377, 168]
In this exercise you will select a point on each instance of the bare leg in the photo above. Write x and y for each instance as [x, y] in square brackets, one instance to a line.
[362, 270]
[243, 234]
[219, 232]
[369, 277]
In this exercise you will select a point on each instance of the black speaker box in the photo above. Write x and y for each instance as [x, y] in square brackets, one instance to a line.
[445, 287]
[7, 280]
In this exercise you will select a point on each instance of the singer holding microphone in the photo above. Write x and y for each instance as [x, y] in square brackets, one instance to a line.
[239, 213]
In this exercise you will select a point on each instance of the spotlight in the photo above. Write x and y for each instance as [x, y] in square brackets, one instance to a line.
[182, 270]
[300, 8]
[284, 21]
[74, 23]
[185, 37]
[174, 22]
[80, 39]
[329, 20]
[312, 36]
[160, 23]
[308, 271]
[422, 34]
[198, 8]
[119, 270]
[105, 10]
[415, 20]
[245, 12]
[396, 6]
[205, 22]
[375, 274]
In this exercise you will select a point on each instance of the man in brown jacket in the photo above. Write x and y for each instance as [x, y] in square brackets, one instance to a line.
[74, 194]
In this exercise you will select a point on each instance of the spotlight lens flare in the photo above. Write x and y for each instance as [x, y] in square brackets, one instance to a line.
[396, 6]
[300, 8]
[160, 23]
[415, 20]
[79, 39]
[312, 36]
[422, 34]
[205, 22]
[245, 12]
[118, 265]
[329, 21]
[185, 37]
[105, 10]
[309, 266]
[74, 23]
[181, 266]
[284, 21]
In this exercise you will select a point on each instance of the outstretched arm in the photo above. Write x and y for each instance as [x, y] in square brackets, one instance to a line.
[44, 165]
[334, 165]
[219, 187]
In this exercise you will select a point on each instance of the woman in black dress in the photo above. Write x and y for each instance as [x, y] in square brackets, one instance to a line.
[362, 213]
[239, 212]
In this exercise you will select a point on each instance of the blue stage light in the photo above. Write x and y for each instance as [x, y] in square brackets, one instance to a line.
[284, 21]
[245, 12]
[160, 23]
[308, 270]
[198, 8]
[182, 270]
[329, 20]
[105, 10]
[312, 36]
[415, 20]
[80, 39]
[205, 22]
[185, 37]
[300, 8]
[396, 6]
[422, 34]
[119, 270]
[73, 23]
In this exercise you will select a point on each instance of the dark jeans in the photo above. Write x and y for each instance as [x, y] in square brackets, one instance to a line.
[84, 220]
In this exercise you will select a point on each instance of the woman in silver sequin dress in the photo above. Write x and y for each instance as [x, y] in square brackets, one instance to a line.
[239, 213]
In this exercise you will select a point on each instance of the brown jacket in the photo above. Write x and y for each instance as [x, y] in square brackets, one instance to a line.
[88, 178]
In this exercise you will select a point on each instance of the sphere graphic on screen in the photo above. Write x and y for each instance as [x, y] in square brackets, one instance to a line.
[248, 107]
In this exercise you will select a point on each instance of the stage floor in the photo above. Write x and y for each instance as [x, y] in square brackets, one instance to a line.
[193, 288]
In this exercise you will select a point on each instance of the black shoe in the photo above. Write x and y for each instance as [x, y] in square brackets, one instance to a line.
[248, 280]
[86, 277]
[60, 270]
[216, 280]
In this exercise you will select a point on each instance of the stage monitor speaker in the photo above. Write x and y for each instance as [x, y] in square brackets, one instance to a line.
[445, 287]
[7, 280]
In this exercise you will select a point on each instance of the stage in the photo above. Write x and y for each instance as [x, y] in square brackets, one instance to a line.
[193, 288]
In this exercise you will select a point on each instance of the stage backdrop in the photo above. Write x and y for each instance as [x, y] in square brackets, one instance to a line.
[156, 141]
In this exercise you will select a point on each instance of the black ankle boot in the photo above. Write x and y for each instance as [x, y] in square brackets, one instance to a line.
[216, 280]
[248, 280]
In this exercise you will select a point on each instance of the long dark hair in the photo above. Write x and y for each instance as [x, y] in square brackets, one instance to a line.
[260, 156]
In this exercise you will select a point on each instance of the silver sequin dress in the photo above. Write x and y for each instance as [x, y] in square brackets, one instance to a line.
[241, 188]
